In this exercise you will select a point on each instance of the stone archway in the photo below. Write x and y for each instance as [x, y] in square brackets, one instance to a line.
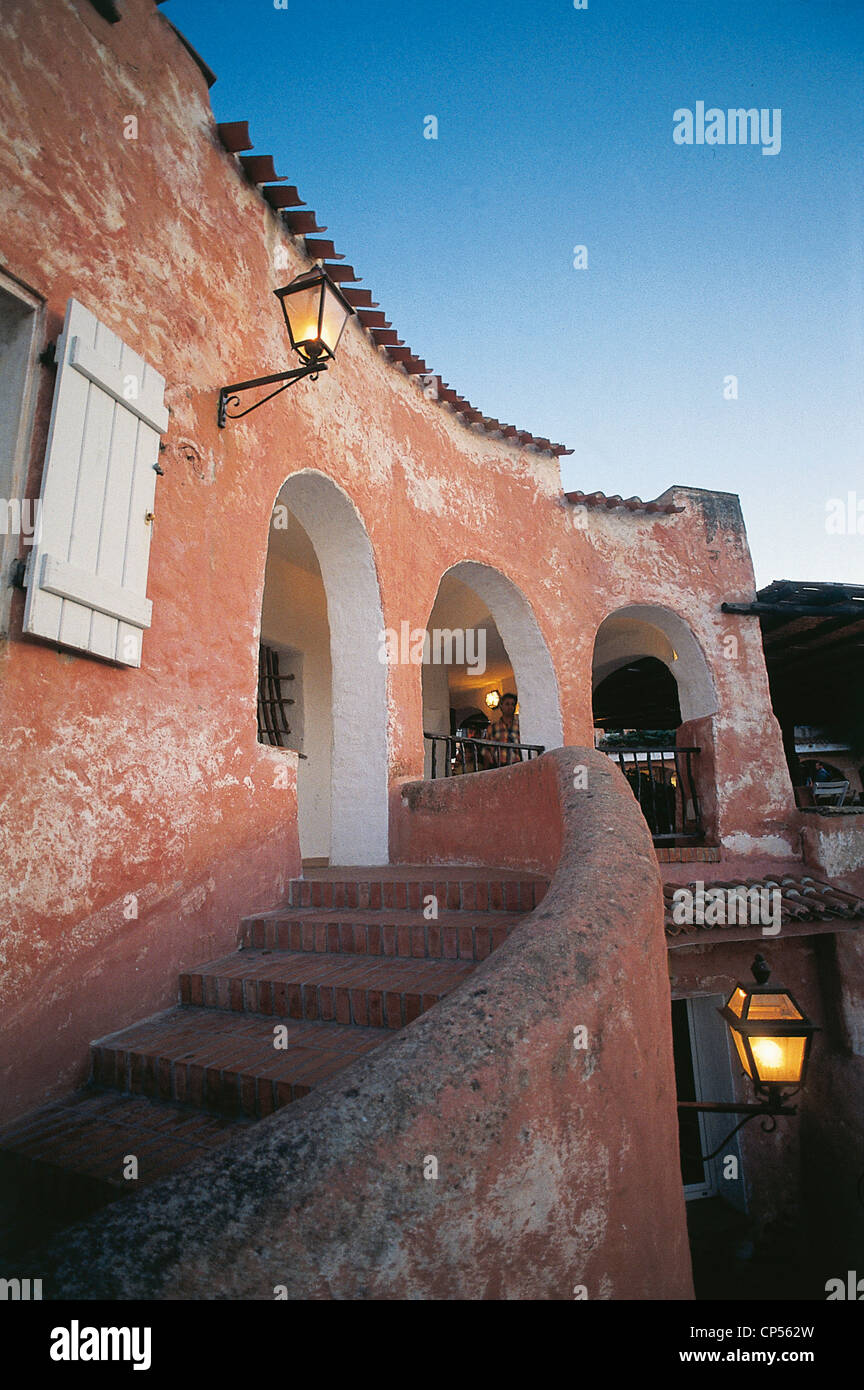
[320, 557]
[471, 594]
[640, 631]
[655, 700]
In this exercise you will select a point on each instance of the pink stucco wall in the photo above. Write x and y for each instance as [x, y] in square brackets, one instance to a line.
[150, 782]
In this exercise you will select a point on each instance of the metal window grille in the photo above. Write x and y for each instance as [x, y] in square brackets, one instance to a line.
[273, 726]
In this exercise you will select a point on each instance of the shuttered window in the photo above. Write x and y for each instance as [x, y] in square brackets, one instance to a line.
[87, 577]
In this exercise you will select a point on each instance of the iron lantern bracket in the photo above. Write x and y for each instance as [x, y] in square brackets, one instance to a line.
[768, 1109]
[765, 1107]
[228, 394]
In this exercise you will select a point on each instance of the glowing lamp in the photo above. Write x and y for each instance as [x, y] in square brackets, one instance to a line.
[772, 1034]
[493, 699]
[316, 312]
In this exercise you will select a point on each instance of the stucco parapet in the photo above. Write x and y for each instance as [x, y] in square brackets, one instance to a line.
[546, 1153]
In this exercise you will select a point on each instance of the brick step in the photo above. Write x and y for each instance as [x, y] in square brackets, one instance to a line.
[226, 1062]
[91, 1133]
[347, 961]
[65, 1161]
[403, 887]
[687, 854]
[365, 991]
[454, 936]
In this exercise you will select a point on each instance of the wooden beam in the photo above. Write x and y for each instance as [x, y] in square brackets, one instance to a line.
[793, 610]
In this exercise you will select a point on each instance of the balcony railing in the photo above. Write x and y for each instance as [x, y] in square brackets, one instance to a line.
[663, 784]
[460, 755]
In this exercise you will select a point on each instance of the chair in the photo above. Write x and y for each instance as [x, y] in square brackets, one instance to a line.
[829, 793]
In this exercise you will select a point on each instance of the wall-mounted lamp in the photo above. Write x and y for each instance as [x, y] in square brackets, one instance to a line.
[493, 699]
[773, 1037]
[772, 1034]
[316, 312]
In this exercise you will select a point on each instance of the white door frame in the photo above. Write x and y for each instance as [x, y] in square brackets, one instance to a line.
[713, 1078]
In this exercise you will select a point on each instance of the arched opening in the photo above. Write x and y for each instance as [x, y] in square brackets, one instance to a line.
[653, 696]
[320, 622]
[641, 695]
[495, 647]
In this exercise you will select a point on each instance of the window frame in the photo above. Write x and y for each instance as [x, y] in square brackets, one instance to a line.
[22, 429]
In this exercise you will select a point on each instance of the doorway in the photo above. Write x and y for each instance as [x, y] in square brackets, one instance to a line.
[703, 1072]
[320, 628]
[495, 622]
[721, 1246]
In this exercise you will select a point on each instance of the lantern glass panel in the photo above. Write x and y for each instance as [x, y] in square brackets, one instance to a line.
[772, 1006]
[333, 319]
[742, 1054]
[301, 309]
[779, 1061]
[736, 1001]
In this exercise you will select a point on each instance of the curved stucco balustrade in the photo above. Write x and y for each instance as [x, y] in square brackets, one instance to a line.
[556, 1148]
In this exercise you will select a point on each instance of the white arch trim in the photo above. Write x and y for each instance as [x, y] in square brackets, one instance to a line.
[358, 782]
[536, 683]
[639, 630]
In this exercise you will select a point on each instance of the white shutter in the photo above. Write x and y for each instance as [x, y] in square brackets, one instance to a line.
[87, 575]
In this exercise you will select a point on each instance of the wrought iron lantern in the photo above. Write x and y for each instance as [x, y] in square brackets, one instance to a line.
[772, 1034]
[315, 312]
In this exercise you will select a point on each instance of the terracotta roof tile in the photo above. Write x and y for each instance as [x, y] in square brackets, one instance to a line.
[360, 298]
[259, 168]
[599, 500]
[279, 196]
[803, 899]
[234, 136]
[299, 223]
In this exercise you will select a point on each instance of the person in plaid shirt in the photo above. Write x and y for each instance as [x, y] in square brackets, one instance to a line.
[505, 729]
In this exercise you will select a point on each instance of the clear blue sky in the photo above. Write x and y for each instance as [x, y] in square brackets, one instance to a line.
[555, 130]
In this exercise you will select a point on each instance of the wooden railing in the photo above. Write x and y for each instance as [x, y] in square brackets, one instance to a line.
[461, 755]
[663, 784]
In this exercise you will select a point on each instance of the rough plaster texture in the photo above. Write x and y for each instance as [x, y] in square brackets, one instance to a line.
[557, 1166]
[491, 827]
[834, 845]
[148, 786]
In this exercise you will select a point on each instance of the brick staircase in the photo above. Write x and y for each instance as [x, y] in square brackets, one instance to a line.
[349, 959]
